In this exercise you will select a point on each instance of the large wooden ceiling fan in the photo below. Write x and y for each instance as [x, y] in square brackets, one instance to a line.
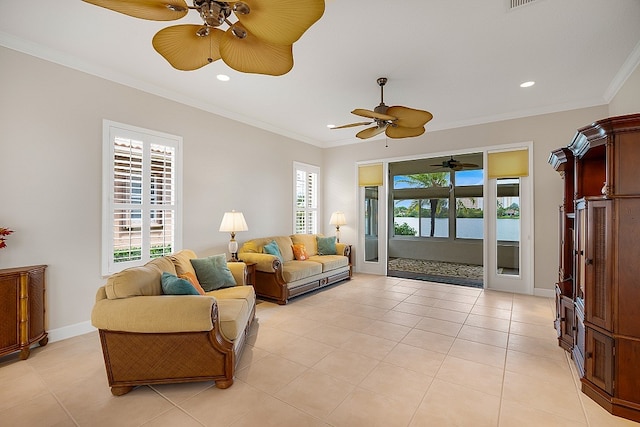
[260, 41]
[395, 121]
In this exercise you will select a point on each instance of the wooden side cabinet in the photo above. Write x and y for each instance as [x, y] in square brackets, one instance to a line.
[22, 309]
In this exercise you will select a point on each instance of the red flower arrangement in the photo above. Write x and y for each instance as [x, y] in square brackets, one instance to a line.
[4, 232]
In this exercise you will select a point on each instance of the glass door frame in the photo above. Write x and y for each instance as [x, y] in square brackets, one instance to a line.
[524, 282]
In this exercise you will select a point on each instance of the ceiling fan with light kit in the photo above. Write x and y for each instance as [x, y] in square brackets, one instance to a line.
[395, 121]
[260, 41]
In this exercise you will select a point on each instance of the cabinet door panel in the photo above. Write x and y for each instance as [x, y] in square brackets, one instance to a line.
[9, 303]
[628, 254]
[599, 360]
[598, 264]
[36, 304]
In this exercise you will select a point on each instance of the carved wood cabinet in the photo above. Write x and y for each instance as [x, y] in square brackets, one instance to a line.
[22, 309]
[599, 268]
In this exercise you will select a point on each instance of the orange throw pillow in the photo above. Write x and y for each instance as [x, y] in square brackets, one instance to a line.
[193, 280]
[299, 252]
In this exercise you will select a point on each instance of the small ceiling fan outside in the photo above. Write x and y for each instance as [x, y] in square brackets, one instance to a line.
[259, 41]
[395, 121]
[456, 165]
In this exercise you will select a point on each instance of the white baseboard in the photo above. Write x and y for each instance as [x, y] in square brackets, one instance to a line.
[70, 331]
[547, 293]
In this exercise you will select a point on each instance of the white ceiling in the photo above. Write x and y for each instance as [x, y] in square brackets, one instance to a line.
[461, 60]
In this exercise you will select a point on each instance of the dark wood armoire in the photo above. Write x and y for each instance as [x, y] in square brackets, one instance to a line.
[598, 288]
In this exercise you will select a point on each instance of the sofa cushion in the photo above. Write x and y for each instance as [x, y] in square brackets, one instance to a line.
[327, 245]
[173, 285]
[246, 293]
[272, 248]
[164, 264]
[234, 316]
[299, 252]
[134, 281]
[296, 270]
[191, 277]
[212, 272]
[250, 246]
[330, 262]
[181, 261]
[309, 242]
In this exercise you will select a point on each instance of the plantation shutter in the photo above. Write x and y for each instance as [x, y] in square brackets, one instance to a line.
[306, 199]
[127, 200]
[141, 215]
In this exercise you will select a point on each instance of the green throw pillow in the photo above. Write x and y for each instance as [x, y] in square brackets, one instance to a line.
[327, 245]
[173, 285]
[212, 272]
[273, 249]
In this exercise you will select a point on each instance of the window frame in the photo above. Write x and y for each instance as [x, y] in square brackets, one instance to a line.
[110, 131]
[315, 211]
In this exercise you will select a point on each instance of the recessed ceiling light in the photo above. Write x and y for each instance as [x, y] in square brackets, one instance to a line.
[223, 77]
[527, 84]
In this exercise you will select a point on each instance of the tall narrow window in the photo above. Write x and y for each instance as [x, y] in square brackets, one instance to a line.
[305, 188]
[508, 226]
[371, 224]
[141, 184]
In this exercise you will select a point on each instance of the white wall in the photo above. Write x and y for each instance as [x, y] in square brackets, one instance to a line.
[50, 174]
[627, 100]
[547, 132]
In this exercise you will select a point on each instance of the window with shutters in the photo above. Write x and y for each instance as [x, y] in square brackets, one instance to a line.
[305, 193]
[141, 200]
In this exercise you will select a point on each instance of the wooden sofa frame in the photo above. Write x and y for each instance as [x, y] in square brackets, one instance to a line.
[273, 286]
[133, 359]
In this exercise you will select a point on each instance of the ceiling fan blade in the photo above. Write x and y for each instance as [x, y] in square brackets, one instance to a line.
[154, 10]
[350, 125]
[184, 49]
[410, 117]
[370, 132]
[403, 132]
[280, 21]
[372, 114]
[253, 55]
[469, 165]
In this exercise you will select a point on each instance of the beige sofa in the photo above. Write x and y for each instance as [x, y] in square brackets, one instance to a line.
[151, 338]
[279, 281]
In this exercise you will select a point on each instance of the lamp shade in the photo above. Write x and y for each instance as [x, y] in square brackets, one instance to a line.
[233, 221]
[337, 218]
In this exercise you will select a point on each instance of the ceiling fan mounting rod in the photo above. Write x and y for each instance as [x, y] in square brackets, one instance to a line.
[381, 82]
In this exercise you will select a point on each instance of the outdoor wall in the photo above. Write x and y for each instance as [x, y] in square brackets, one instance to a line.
[548, 132]
[51, 175]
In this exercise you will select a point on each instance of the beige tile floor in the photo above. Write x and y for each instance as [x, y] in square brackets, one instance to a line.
[375, 351]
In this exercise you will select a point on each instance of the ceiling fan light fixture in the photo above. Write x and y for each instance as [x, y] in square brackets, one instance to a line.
[203, 32]
[176, 8]
[241, 8]
[239, 32]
